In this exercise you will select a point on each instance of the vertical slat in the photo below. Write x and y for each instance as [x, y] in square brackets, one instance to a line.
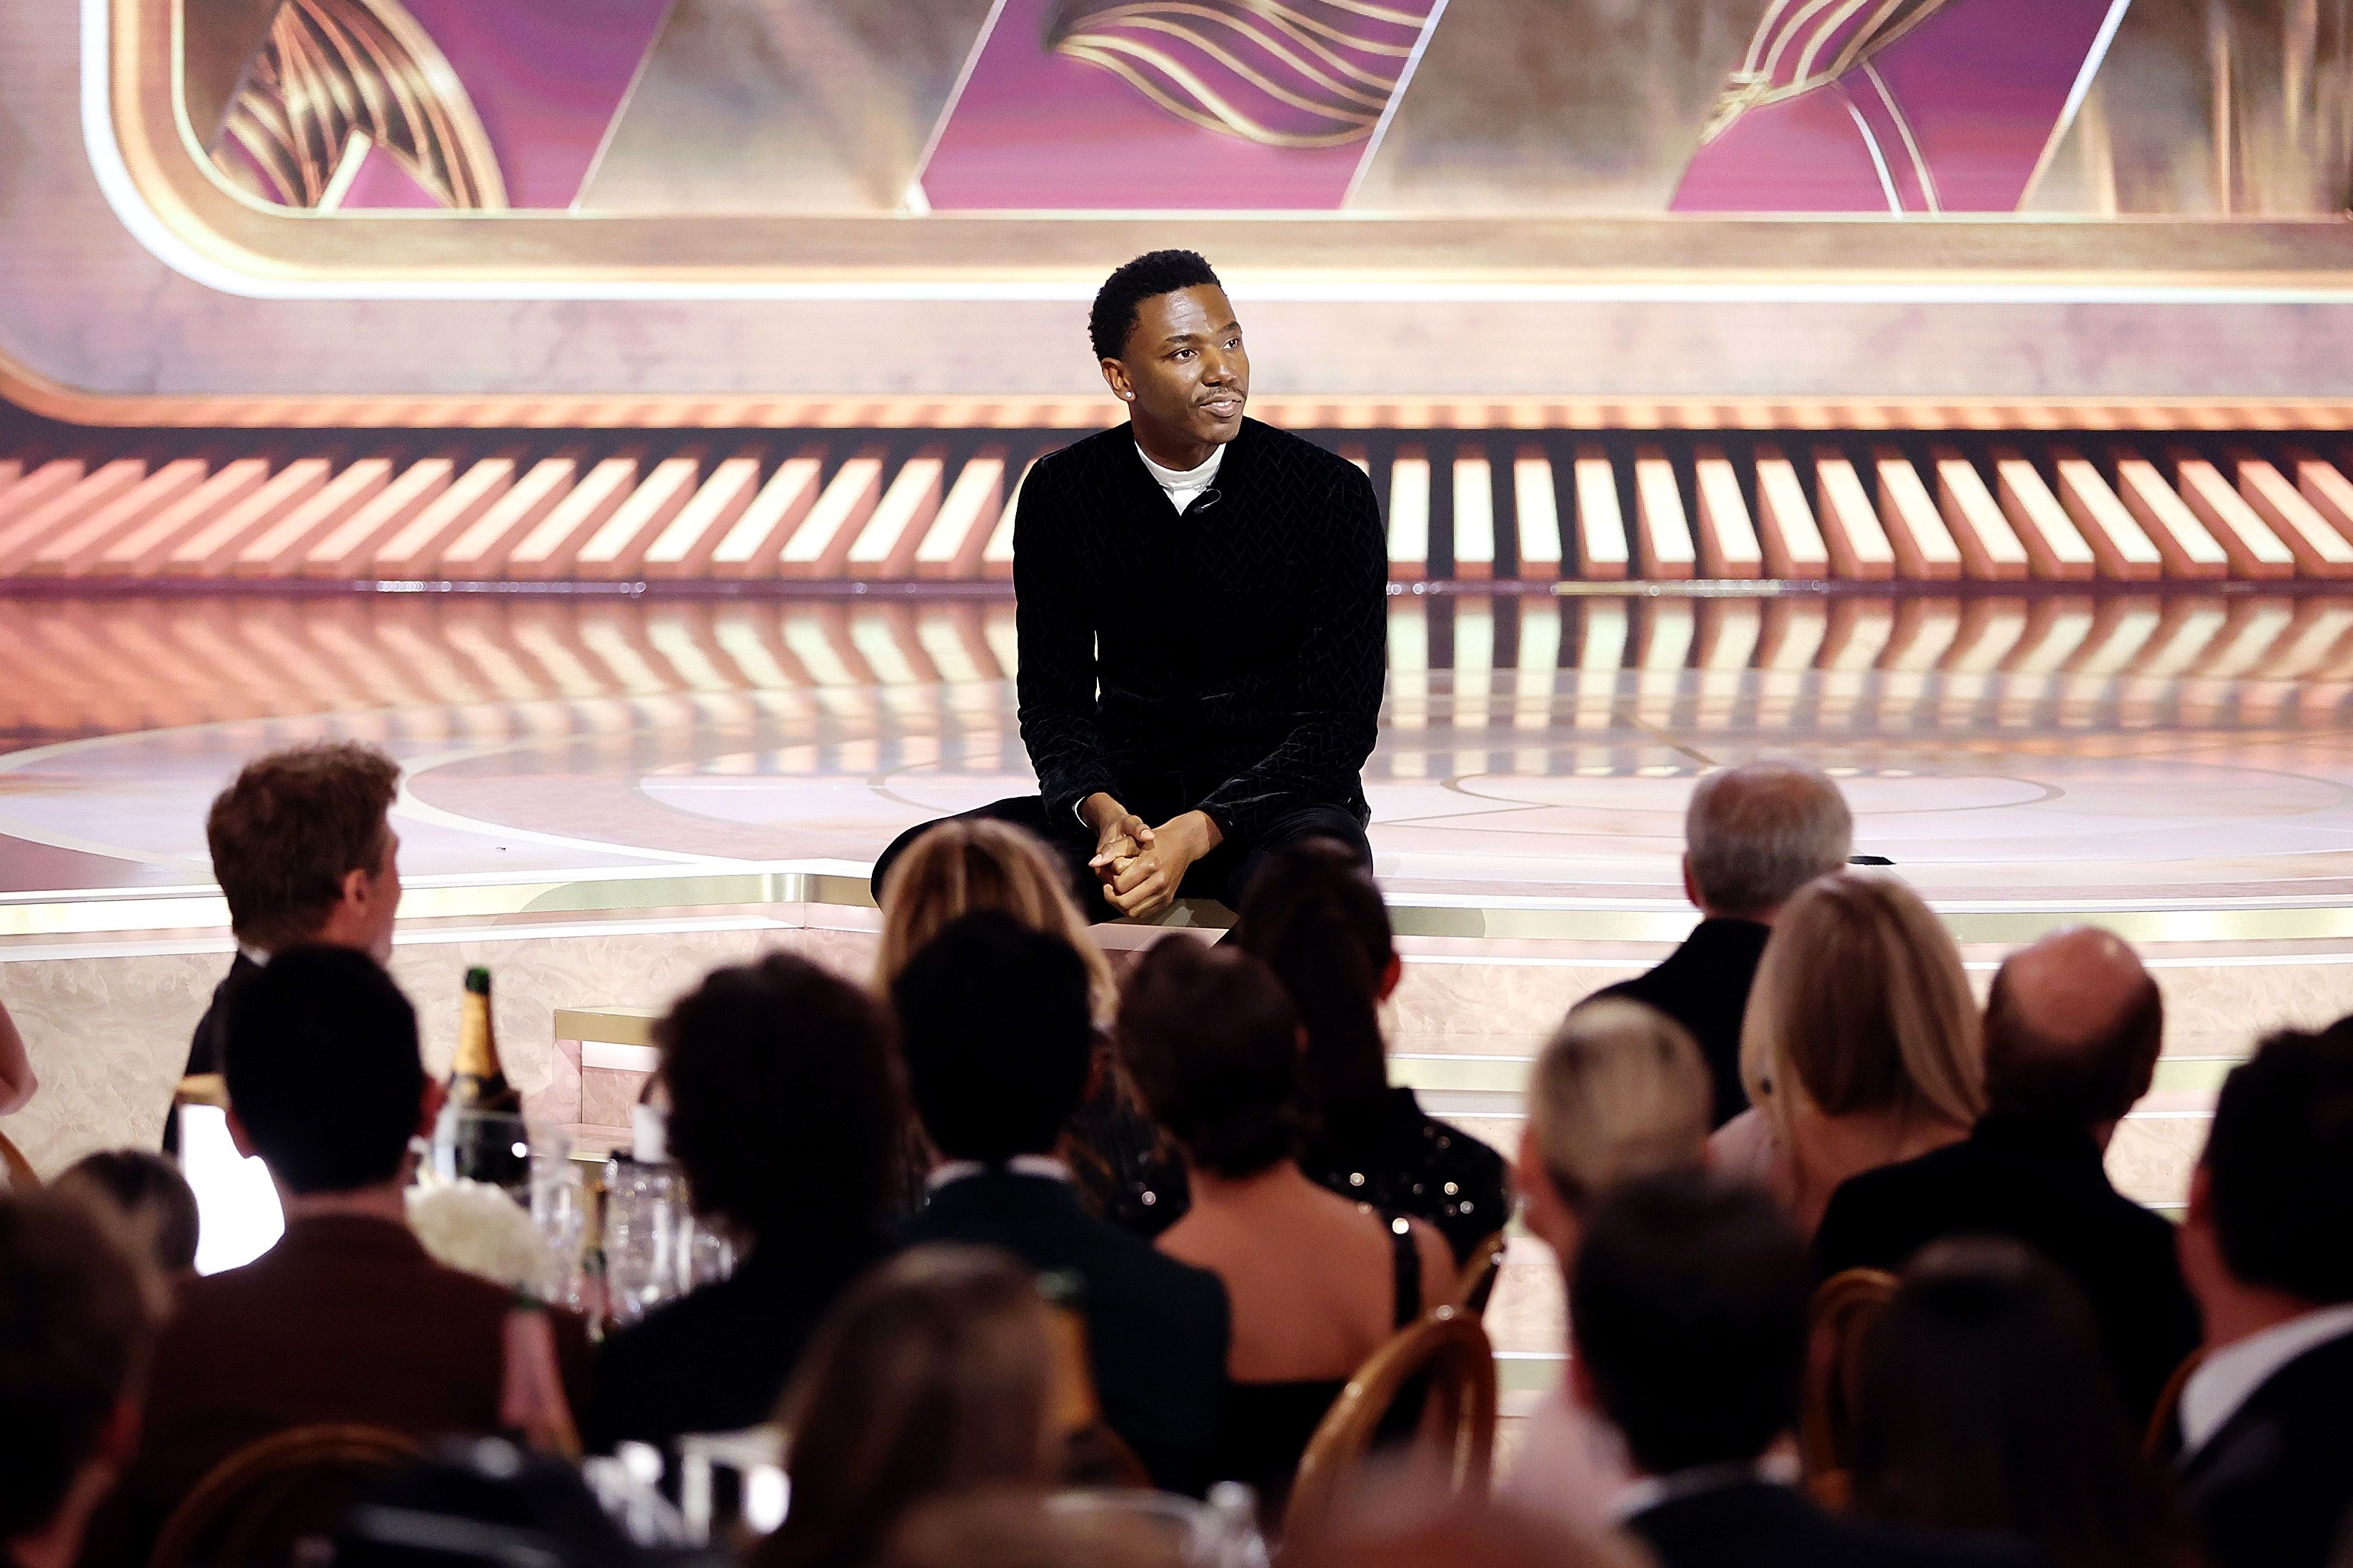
[279, 545]
[138, 551]
[1788, 535]
[544, 553]
[1924, 548]
[1662, 527]
[684, 546]
[2056, 547]
[2253, 549]
[1601, 549]
[1410, 515]
[618, 548]
[888, 542]
[1857, 545]
[480, 548]
[76, 546]
[1990, 546]
[2325, 485]
[207, 548]
[2320, 550]
[997, 555]
[1474, 513]
[2120, 546]
[960, 531]
[82, 495]
[414, 550]
[348, 549]
[2189, 550]
[1727, 536]
[750, 547]
[1538, 511]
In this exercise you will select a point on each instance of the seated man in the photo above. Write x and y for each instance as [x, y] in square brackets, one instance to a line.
[1690, 1336]
[1201, 619]
[78, 1316]
[2266, 1420]
[1753, 836]
[999, 1043]
[2072, 1033]
[345, 1319]
[304, 856]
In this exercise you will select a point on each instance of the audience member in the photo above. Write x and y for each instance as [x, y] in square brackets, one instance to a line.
[1860, 1046]
[1317, 1282]
[1465, 1532]
[78, 1316]
[1620, 1091]
[150, 1197]
[932, 1378]
[1985, 1405]
[17, 1080]
[783, 1110]
[2072, 1033]
[345, 1319]
[2266, 1420]
[968, 864]
[994, 1027]
[1753, 836]
[1019, 1528]
[304, 856]
[1314, 917]
[1690, 1331]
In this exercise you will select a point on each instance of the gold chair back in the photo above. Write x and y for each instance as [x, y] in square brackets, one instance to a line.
[1447, 1352]
[2155, 1441]
[22, 1177]
[257, 1507]
[1092, 1454]
[1476, 1283]
[1844, 1309]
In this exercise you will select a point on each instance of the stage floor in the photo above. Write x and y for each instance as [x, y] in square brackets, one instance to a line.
[2181, 754]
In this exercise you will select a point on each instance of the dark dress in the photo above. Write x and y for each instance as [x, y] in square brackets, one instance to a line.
[1267, 1425]
[1755, 1525]
[1703, 985]
[717, 1358]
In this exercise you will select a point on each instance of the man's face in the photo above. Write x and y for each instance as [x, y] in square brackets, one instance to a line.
[1183, 372]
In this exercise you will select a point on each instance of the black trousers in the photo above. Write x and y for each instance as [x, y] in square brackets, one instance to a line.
[1223, 873]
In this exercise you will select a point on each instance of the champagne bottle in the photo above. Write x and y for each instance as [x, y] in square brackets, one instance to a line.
[490, 1143]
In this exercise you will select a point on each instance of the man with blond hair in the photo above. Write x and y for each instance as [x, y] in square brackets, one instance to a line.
[1753, 836]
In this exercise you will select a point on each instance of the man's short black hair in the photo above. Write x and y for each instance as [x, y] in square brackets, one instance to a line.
[785, 1110]
[2279, 1162]
[320, 1053]
[998, 1039]
[1148, 277]
[1691, 1294]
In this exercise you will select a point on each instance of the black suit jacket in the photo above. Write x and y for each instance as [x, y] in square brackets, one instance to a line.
[2273, 1487]
[1703, 985]
[205, 1045]
[1157, 1330]
[2045, 1186]
[717, 1358]
[1752, 1524]
[1247, 681]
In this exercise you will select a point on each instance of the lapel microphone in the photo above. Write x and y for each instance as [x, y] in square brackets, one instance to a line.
[1205, 501]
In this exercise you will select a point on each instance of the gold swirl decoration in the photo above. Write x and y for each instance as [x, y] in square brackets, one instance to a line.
[1283, 73]
[336, 69]
[1793, 51]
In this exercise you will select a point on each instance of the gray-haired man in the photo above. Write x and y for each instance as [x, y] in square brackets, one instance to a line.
[1752, 835]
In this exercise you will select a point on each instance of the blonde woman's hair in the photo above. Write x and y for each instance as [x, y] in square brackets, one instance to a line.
[1620, 1091]
[1860, 1004]
[963, 865]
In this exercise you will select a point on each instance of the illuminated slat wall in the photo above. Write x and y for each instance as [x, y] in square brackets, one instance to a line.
[938, 505]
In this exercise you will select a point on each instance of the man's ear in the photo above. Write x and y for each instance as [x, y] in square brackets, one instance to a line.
[1582, 1391]
[1115, 376]
[238, 1138]
[1690, 889]
[1392, 973]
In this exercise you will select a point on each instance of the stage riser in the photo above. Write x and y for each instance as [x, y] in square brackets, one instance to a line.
[882, 506]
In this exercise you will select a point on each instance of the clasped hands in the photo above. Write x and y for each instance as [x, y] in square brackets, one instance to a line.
[1141, 865]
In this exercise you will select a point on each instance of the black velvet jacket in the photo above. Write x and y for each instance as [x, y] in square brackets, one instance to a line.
[1229, 659]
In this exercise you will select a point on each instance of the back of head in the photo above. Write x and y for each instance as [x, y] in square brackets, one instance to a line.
[933, 1377]
[2072, 1028]
[319, 1052]
[288, 831]
[962, 866]
[1148, 277]
[1620, 1091]
[78, 1317]
[1212, 1046]
[998, 1038]
[1314, 916]
[1860, 1004]
[1753, 834]
[2279, 1166]
[1022, 1529]
[152, 1199]
[1691, 1292]
[1987, 1405]
[784, 1100]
